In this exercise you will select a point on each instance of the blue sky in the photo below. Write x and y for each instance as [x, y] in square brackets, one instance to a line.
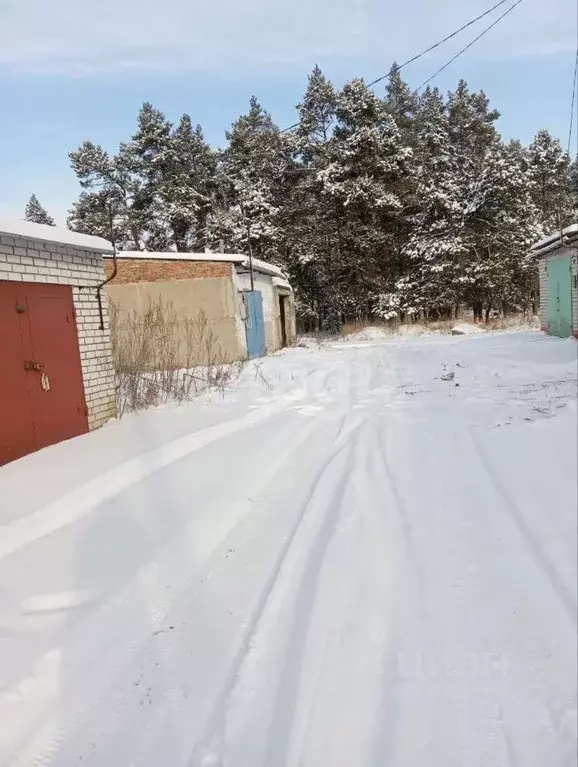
[73, 69]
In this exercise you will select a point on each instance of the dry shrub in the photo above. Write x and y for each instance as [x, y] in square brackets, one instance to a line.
[514, 321]
[160, 357]
[350, 328]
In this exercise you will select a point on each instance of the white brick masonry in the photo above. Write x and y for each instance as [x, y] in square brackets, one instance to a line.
[37, 261]
[543, 272]
[575, 292]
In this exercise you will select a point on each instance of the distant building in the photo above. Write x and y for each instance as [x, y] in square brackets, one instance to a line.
[215, 287]
[557, 257]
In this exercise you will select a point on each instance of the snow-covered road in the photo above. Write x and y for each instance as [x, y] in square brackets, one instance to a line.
[363, 556]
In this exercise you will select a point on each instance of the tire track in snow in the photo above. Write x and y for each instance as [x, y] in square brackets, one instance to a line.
[96, 633]
[337, 686]
[390, 707]
[214, 725]
[540, 557]
[280, 729]
[402, 511]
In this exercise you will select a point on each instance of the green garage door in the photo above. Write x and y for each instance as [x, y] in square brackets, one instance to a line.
[560, 296]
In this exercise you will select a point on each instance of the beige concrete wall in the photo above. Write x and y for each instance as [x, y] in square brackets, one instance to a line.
[212, 299]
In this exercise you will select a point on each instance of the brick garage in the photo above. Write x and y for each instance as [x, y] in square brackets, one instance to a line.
[557, 260]
[58, 378]
[212, 285]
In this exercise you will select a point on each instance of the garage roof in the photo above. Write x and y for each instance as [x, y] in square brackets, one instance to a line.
[15, 227]
[569, 234]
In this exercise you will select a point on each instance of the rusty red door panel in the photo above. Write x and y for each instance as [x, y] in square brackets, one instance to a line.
[55, 380]
[42, 393]
[17, 436]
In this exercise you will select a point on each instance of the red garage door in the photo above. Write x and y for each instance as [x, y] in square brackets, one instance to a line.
[41, 389]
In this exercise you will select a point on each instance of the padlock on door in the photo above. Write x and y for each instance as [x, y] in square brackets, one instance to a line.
[45, 382]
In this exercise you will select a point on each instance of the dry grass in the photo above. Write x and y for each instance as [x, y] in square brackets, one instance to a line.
[160, 357]
[518, 321]
[350, 328]
[397, 328]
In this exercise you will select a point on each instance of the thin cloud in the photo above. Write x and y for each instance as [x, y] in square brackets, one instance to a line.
[78, 38]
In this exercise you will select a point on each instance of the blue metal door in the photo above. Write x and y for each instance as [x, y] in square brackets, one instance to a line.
[255, 324]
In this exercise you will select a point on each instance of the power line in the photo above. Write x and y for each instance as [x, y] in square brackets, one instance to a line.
[441, 42]
[573, 103]
[427, 50]
[469, 45]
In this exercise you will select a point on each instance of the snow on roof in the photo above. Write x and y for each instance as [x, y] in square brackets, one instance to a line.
[15, 227]
[279, 282]
[233, 258]
[264, 267]
[570, 232]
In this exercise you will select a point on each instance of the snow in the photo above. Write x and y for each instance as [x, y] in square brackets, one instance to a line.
[279, 282]
[15, 227]
[554, 238]
[363, 554]
[265, 268]
[410, 330]
[466, 329]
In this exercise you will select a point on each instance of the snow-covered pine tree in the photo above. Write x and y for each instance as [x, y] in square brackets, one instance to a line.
[251, 175]
[159, 185]
[367, 175]
[187, 185]
[90, 215]
[310, 242]
[430, 283]
[574, 187]
[176, 166]
[36, 213]
[148, 157]
[401, 103]
[474, 138]
[550, 180]
[501, 230]
[316, 115]
[109, 183]
[472, 125]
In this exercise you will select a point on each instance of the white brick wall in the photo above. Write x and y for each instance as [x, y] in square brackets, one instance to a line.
[35, 261]
[575, 292]
[543, 274]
